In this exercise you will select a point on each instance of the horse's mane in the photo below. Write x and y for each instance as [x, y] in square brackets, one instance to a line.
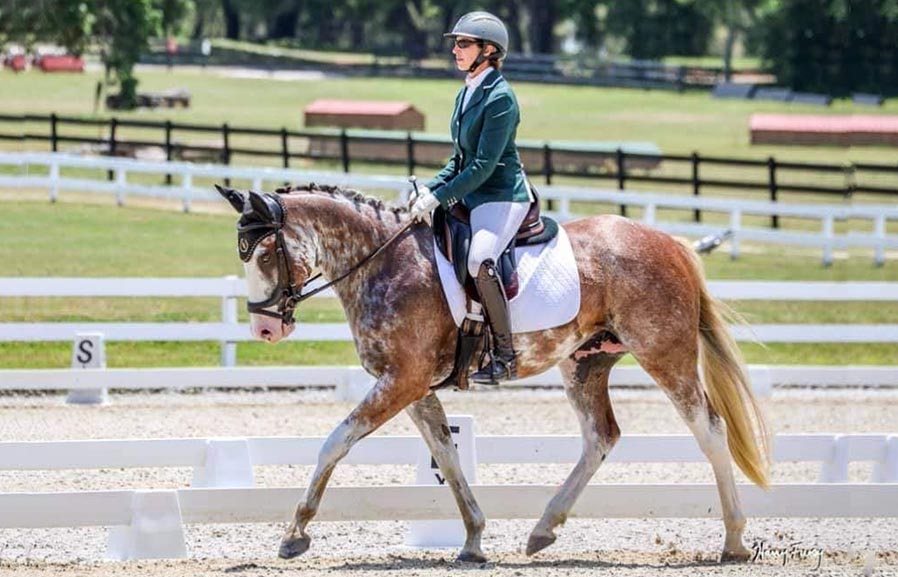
[350, 194]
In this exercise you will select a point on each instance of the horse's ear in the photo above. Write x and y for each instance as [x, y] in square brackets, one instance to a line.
[233, 196]
[259, 205]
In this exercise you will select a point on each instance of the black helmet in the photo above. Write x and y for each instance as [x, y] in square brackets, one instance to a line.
[482, 26]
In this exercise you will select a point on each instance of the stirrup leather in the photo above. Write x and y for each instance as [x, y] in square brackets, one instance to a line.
[502, 365]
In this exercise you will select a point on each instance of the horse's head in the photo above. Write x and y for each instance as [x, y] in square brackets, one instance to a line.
[274, 274]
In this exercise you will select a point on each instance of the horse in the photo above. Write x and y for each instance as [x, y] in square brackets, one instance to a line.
[637, 283]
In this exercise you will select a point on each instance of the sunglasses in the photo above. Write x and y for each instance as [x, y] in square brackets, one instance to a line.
[464, 43]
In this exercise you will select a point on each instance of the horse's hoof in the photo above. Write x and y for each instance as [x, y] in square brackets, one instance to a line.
[294, 546]
[739, 555]
[537, 543]
[471, 557]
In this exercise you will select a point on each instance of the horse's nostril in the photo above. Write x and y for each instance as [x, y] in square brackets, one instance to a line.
[266, 333]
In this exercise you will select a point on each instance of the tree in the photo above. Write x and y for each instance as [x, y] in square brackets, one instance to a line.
[833, 46]
[653, 29]
[121, 28]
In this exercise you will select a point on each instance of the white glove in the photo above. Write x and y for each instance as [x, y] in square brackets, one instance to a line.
[425, 204]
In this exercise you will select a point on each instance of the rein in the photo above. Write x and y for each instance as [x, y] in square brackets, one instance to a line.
[286, 295]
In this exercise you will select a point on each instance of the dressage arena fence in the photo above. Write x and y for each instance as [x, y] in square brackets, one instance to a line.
[48, 174]
[147, 523]
[350, 382]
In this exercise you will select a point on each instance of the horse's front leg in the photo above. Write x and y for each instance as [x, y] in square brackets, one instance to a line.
[388, 396]
[430, 418]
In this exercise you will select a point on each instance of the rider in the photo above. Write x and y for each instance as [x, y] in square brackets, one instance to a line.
[484, 173]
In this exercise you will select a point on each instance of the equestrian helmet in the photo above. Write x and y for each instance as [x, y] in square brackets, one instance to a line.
[482, 26]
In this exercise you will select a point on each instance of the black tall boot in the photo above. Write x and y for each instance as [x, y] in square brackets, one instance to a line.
[502, 366]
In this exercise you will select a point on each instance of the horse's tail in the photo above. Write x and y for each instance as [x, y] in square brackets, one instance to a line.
[727, 385]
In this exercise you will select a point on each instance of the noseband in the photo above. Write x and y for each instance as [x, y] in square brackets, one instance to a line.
[286, 295]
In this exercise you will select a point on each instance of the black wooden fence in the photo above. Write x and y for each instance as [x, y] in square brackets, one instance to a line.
[692, 172]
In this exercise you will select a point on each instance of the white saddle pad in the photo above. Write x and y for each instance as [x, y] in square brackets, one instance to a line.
[548, 280]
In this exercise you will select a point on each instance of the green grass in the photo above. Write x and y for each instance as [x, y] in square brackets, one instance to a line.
[166, 354]
[678, 123]
[97, 240]
[38, 239]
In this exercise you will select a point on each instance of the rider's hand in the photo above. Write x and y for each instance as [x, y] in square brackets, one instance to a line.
[423, 206]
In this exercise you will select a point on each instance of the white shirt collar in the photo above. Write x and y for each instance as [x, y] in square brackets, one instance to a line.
[474, 82]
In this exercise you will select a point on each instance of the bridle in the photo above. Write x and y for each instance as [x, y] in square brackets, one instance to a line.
[286, 294]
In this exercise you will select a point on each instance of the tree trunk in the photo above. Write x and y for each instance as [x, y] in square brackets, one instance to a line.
[283, 25]
[728, 53]
[199, 28]
[543, 16]
[232, 20]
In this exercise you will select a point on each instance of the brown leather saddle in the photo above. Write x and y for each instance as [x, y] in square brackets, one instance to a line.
[452, 231]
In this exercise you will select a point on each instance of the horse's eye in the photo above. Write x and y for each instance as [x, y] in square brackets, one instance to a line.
[265, 258]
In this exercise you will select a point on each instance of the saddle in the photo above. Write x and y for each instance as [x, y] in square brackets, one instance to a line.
[452, 231]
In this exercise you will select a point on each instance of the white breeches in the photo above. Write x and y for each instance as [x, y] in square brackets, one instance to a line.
[494, 224]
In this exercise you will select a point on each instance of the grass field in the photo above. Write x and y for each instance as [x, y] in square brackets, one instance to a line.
[96, 240]
[677, 123]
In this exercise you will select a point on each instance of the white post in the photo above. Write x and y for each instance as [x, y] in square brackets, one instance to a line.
[648, 217]
[761, 381]
[186, 186]
[121, 181]
[257, 184]
[229, 315]
[444, 533]
[227, 464]
[54, 180]
[355, 385]
[156, 530]
[879, 231]
[736, 227]
[564, 206]
[886, 469]
[88, 352]
[835, 468]
[828, 236]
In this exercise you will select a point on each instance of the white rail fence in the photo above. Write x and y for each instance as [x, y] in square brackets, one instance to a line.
[875, 237]
[229, 462]
[229, 331]
[352, 383]
[150, 523]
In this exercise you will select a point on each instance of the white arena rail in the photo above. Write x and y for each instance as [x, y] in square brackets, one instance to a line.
[351, 383]
[229, 331]
[835, 452]
[151, 523]
[416, 502]
[184, 189]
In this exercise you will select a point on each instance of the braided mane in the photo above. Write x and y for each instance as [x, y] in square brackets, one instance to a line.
[350, 194]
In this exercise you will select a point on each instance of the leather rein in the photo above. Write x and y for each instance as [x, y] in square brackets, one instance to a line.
[287, 295]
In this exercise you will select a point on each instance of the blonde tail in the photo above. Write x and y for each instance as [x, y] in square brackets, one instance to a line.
[728, 388]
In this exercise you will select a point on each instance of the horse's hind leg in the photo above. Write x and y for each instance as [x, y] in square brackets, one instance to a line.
[684, 388]
[388, 397]
[430, 419]
[586, 385]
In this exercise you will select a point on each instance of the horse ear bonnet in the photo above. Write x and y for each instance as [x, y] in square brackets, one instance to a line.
[263, 216]
[236, 198]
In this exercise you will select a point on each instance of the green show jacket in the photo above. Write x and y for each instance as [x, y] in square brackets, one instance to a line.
[485, 165]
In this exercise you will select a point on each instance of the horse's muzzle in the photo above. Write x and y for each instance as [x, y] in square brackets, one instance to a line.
[270, 329]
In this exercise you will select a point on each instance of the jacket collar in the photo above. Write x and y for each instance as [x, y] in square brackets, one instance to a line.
[491, 79]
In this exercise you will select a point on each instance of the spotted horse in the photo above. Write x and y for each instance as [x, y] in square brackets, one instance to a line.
[642, 292]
